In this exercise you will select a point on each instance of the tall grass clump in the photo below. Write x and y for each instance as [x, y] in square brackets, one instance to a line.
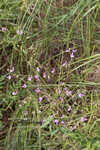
[49, 74]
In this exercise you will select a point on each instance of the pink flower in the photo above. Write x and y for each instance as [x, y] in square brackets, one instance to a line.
[61, 98]
[64, 64]
[36, 77]
[69, 109]
[62, 122]
[19, 32]
[67, 50]
[12, 70]
[4, 29]
[59, 91]
[9, 77]
[66, 89]
[68, 93]
[73, 128]
[83, 119]
[29, 78]
[38, 69]
[40, 99]
[24, 86]
[80, 95]
[37, 90]
[74, 50]
[53, 70]
[44, 75]
[72, 55]
[56, 121]
[14, 93]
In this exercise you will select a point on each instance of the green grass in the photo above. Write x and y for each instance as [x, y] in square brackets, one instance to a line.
[47, 28]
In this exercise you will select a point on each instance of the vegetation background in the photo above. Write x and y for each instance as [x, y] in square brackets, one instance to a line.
[50, 74]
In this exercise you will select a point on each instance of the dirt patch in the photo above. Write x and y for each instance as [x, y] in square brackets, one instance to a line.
[94, 74]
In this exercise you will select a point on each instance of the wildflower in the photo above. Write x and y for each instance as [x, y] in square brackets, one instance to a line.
[80, 95]
[74, 50]
[14, 93]
[12, 70]
[37, 90]
[9, 77]
[53, 70]
[69, 109]
[64, 64]
[24, 86]
[67, 50]
[61, 98]
[83, 119]
[4, 29]
[59, 91]
[68, 93]
[52, 116]
[66, 89]
[73, 128]
[29, 78]
[72, 55]
[44, 75]
[56, 121]
[36, 77]
[40, 99]
[38, 69]
[19, 32]
[62, 122]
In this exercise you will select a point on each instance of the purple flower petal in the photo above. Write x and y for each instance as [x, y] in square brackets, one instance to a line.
[24, 86]
[83, 119]
[4, 29]
[9, 77]
[66, 89]
[56, 121]
[67, 50]
[64, 64]
[19, 32]
[14, 93]
[62, 122]
[40, 99]
[38, 69]
[36, 77]
[69, 109]
[12, 70]
[74, 50]
[72, 55]
[80, 95]
[59, 91]
[68, 93]
[37, 90]
[44, 75]
[61, 98]
[29, 78]
[53, 70]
